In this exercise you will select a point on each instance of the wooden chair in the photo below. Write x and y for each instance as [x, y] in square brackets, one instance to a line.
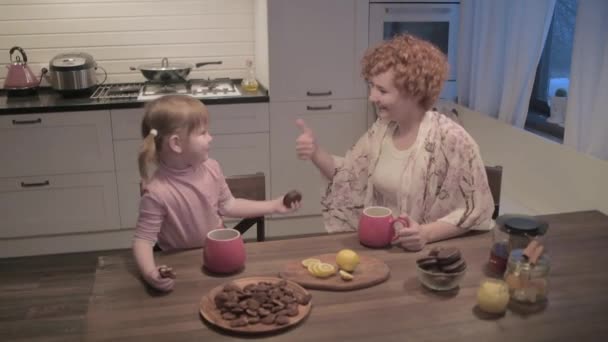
[252, 187]
[494, 174]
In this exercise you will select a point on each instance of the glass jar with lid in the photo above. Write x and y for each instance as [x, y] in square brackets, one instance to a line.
[528, 282]
[513, 232]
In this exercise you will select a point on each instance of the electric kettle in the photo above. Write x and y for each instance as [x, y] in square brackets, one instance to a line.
[20, 79]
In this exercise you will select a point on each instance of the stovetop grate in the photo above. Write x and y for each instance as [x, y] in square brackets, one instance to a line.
[117, 91]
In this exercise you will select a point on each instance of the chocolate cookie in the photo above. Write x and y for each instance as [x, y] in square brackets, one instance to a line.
[448, 256]
[455, 267]
[427, 263]
[291, 197]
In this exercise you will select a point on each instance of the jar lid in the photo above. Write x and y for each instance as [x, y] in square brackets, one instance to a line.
[517, 257]
[522, 225]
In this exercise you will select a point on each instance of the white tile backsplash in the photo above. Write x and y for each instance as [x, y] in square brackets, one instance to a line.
[120, 34]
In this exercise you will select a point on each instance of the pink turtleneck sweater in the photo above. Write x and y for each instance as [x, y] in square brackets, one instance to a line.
[179, 207]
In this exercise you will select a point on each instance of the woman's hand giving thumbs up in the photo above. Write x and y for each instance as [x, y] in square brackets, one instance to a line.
[307, 149]
[306, 145]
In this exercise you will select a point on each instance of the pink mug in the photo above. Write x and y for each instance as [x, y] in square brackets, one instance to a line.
[377, 227]
[224, 251]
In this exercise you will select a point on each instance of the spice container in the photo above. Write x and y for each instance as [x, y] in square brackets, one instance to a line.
[527, 280]
[513, 232]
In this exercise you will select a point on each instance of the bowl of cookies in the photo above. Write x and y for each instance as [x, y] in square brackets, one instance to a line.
[442, 269]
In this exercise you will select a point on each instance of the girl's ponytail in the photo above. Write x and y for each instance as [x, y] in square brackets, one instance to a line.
[147, 153]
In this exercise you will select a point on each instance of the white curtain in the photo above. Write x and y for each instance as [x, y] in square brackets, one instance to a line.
[499, 46]
[586, 127]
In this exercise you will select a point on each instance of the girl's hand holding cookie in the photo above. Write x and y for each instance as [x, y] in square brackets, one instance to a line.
[162, 279]
[290, 202]
[166, 272]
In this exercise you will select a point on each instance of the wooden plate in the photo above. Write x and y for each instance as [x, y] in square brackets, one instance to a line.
[369, 272]
[212, 315]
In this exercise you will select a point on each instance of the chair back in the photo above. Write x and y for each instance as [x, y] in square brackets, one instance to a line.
[494, 174]
[252, 186]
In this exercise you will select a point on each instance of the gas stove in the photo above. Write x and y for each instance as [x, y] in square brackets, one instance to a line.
[197, 88]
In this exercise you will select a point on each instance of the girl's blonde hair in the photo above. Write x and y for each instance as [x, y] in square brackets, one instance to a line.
[163, 117]
[420, 68]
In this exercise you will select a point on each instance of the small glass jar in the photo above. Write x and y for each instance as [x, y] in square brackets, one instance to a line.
[513, 232]
[527, 283]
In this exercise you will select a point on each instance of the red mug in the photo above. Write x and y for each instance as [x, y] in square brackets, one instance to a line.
[224, 251]
[377, 227]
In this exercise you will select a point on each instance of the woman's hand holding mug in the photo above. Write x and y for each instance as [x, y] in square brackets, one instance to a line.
[377, 227]
[411, 236]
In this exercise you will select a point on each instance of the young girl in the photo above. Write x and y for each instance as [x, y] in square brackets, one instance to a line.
[187, 194]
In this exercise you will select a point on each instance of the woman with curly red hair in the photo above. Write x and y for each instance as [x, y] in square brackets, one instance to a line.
[417, 162]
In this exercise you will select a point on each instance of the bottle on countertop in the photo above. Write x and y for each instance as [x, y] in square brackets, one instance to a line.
[249, 83]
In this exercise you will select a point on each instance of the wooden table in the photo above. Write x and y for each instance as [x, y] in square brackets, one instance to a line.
[400, 309]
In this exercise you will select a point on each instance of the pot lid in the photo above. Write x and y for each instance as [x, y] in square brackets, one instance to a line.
[72, 61]
[69, 62]
[165, 65]
[522, 225]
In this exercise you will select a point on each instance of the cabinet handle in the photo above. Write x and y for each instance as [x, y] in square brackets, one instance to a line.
[328, 107]
[312, 93]
[27, 122]
[32, 185]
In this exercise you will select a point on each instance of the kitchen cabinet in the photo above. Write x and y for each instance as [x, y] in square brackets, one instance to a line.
[315, 48]
[57, 174]
[58, 204]
[337, 125]
[240, 144]
[58, 143]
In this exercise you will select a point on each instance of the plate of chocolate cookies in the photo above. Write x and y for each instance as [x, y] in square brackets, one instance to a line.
[256, 305]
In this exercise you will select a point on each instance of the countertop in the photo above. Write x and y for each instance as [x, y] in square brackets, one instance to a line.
[47, 101]
[64, 300]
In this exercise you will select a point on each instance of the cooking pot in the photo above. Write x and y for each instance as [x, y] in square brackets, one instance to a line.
[167, 73]
[20, 79]
[74, 72]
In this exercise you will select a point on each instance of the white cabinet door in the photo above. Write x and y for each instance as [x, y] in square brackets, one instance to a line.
[55, 143]
[49, 205]
[315, 49]
[337, 125]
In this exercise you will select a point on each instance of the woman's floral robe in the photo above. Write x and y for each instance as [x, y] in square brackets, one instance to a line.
[443, 179]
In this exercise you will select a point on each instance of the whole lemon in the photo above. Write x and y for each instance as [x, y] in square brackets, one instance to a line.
[347, 260]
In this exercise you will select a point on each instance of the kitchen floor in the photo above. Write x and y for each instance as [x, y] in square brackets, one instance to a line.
[31, 308]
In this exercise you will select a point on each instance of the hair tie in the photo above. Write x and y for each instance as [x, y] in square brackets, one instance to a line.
[154, 132]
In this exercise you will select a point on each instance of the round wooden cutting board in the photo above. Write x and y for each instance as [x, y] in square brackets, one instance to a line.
[212, 315]
[369, 272]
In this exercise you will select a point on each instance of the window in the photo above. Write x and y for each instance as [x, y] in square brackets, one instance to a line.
[545, 115]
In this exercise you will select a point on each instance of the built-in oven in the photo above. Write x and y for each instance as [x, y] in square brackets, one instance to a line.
[436, 22]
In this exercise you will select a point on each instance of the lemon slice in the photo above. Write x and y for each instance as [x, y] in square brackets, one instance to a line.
[345, 275]
[307, 262]
[323, 270]
[311, 269]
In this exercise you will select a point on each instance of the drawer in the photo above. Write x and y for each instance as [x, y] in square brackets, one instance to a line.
[55, 143]
[224, 119]
[49, 205]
